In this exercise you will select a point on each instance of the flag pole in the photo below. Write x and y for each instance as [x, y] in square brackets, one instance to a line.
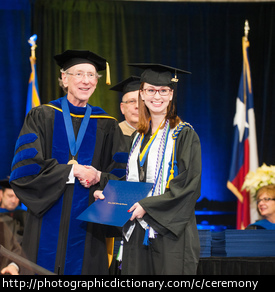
[32, 42]
[33, 94]
[246, 29]
[245, 45]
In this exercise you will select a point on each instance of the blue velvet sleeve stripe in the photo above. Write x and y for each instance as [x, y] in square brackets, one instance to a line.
[25, 139]
[24, 154]
[25, 170]
[119, 172]
[121, 157]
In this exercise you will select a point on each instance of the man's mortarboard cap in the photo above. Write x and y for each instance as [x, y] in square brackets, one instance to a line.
[158, 74]
[73, 57]
[130, 84]
[70, 58]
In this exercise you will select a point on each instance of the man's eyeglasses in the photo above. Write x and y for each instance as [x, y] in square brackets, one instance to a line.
[265, 200]
[80, 75]
[130, 102]
[152, 92]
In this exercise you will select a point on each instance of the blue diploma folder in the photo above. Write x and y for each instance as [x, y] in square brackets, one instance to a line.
[120, 196]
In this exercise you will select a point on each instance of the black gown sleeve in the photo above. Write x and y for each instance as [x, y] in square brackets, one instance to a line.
[124, 143]
[115, 144]
[33, 159]
[170, 212]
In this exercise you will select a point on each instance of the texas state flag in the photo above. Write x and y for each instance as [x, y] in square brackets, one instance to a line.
[245, 153]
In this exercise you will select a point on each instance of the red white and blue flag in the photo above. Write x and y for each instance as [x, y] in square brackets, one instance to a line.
[245, 153]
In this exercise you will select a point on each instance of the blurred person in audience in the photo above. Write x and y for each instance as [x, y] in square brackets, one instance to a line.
[11, 211]
[265, 198]
[11, 226]
[8, 199]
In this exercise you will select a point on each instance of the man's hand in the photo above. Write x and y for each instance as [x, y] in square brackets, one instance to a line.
[10, 269]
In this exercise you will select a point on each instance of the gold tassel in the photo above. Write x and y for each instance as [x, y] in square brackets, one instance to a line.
[110, 242]
[170, 178]
[108, 75]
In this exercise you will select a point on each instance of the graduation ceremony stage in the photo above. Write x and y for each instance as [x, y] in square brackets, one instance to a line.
[237, 252]
[236, 266]
[227, 251]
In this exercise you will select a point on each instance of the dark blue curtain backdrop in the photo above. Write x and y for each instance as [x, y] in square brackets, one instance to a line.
[204, 38]
[15, 29]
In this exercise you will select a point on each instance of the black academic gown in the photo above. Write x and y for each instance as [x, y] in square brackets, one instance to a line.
[54, 238]
[176, 248]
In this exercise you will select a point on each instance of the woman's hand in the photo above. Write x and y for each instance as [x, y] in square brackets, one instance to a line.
[87, 175]
[99, 195]
[138, 213]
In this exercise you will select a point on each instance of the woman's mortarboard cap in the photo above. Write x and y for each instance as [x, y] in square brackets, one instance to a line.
[130, 84]
[158, 74]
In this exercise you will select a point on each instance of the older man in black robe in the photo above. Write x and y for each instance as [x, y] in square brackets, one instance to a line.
[60, 144]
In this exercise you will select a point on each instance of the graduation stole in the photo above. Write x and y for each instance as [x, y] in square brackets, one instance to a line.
[172, 172]
[143, 155]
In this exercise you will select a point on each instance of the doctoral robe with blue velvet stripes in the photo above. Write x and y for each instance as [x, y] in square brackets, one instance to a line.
[53, 237]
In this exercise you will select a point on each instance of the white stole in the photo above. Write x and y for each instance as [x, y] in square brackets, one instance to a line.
[152, 170]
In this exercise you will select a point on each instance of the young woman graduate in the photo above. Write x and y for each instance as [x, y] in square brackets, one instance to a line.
[161, 237]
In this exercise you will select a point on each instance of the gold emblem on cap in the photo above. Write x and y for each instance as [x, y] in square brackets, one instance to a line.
[175, 79]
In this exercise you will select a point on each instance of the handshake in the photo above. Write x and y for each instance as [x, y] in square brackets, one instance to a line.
[87, 175]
